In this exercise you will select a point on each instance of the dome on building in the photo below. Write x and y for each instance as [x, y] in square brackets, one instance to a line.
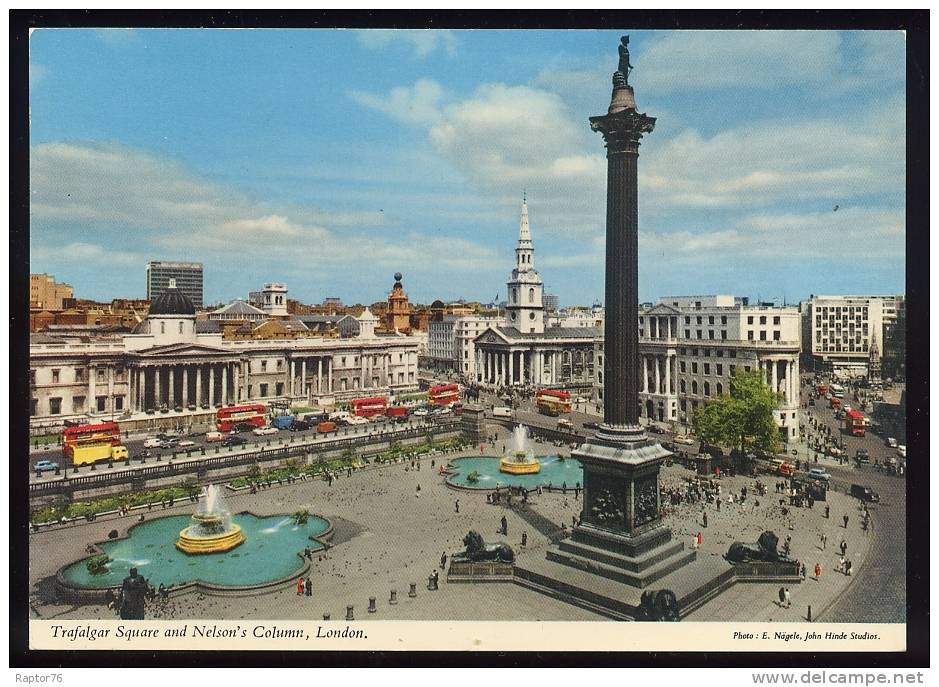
[437, 305]
[172, 302]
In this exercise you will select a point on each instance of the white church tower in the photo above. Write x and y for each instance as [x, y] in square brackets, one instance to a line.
[525, 309]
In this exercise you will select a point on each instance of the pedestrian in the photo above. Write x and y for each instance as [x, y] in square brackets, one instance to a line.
[505, 526]
[456, 505]
[704, 517]
[818, 572]
[782, 596]
[824, 540]
[846, 522]
[443, 561]
[299, 586]
[788, 598]
[843, 546]
[700, 539]
[718, 504]
[827, 511]
[308, 587]
[802, 571]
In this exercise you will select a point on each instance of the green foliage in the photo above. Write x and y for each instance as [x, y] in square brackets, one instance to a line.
[191, 486]
[742, 419]
[301, 517]
[81, 509]
[98, 565]
[473, 477]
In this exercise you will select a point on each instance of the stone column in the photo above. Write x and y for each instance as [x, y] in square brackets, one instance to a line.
[198, 385]
[773, 371]
[645, 373]
[170, 388]
[92, 406]
[511, 367]
[235, 370]
[319, 375]
[109, 404]
[658, 374]
[141, 388]
[329, 372]
[362, 370]
[211, 385]
[185, 386]
[225, 384]
[668, 374]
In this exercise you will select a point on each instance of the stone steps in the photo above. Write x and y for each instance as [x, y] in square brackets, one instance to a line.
[618, 560]
[640, 578]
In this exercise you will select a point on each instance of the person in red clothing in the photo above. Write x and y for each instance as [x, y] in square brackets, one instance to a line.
[700, 539]
[299, 586]
[818, 571]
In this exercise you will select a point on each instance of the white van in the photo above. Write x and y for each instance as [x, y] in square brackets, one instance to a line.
[565, 425]
[501, 411]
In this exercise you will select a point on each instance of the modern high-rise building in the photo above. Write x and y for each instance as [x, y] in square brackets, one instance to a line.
[188, 276]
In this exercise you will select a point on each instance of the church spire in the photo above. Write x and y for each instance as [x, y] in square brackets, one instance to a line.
[525, 253]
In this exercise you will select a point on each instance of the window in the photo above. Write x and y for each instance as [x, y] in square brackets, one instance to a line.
[720, 370]
[694, 368]
[750, 319]
[250, 390]
[118, 403]
[162, 327]
[699, 333]
[719, 353]
[531, 296]
[180, 327]
[681, 385]
[101, 375]
[723, 319]
[32, 377]
[694, 387]
[263, 390]
[280, 389]
[687, 333]
[264, 369]
[687, 320]
[762, 319]
[776, 319]
[707, 368]
[720, 388]
[723, 335]
[707, 352]
[280, 365]
[698, 320]
[762, 335]
[55, 406]
[707, 389]
[55, 378]
[681, 365]
[749, 335]
[710, 319]
[79, 374]
[101, 402]
[776, 335]
[33, 403]
[710, 333]
[78, 404]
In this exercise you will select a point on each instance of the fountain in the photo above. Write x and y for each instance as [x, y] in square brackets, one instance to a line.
[520, 460]
[211, 529]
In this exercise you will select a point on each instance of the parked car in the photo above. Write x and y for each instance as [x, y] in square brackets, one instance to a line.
[234, 440]
[326, 427]
[901, 451]
[591, 425]
[300, 426]
[864, 493]
[186, 443]
[684, 439]
[891, 442]
[152, 442]
[45, 466]
[862, 456]
[214, 436]
[243, 427]
[264, 431]
[819, 474]
[421, 412]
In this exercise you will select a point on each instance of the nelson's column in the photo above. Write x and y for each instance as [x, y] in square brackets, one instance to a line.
[621, 546]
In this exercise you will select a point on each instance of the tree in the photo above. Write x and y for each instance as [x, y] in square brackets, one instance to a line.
[742, 419]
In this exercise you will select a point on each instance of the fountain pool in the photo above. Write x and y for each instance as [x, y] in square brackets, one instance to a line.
[553, 470]
[269, 552]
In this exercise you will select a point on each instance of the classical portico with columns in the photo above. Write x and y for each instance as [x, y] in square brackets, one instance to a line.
[522, 351]
[167, 366]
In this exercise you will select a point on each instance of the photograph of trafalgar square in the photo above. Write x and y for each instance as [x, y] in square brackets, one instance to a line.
[557, 325]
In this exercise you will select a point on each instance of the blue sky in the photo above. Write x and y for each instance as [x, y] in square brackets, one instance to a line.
[330, 159]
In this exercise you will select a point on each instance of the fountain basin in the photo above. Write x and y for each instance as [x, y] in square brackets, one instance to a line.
[212, 543]
[552, 470]
[514, 467]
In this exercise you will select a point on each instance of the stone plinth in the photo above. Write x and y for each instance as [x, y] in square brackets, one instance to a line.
[480, 571]
[472, 422]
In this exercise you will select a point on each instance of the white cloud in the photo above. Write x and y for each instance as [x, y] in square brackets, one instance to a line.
[125, 197]
[423, 41]
[417, 104]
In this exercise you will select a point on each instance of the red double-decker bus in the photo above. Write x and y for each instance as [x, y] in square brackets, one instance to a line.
[444, 394]
[552, 402]
[369, 407]
[82, 435]
[254, 414]
[854, 422]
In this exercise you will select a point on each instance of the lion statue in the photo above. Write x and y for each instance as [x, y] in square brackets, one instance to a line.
[478, 550]
[657, 606]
